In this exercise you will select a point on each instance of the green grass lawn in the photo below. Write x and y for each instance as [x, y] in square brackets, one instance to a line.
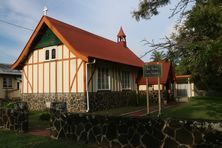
[13, 140]
[197, 108]
[119, 111]
[35, 122]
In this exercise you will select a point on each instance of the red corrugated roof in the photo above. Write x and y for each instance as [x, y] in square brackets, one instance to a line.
[167, 71]
[85, 44]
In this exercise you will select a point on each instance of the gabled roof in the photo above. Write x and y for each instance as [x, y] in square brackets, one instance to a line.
[83, 44]
[5, 69]
[167, 71]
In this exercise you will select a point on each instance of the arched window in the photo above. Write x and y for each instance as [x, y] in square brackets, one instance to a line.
[53, 53]
[47, 55]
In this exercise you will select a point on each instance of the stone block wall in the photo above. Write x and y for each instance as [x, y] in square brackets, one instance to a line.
[76, 102]
[104, 100]
[15, 119]
[135, 132]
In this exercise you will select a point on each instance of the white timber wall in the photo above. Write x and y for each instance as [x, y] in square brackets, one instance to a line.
[65, 73]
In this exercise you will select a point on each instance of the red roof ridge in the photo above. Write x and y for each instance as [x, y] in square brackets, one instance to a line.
[79, 29]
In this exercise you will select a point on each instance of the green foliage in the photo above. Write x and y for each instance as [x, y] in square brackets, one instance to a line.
[147, 8]
[36, 122]
[199, 45]
[157, 56]
[7, 104]
[44, 117]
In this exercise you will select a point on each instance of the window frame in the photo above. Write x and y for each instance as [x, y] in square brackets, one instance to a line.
[50, 53]
[53, 54]
[126, 84]
[47, 57]
[102, 79]
[8, 81]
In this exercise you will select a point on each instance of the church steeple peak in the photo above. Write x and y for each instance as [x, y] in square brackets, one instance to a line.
[121, 37]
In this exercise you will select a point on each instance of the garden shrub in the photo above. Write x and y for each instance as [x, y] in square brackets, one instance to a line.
[44, 117]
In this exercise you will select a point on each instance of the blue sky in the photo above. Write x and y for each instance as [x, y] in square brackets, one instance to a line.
[102, 17]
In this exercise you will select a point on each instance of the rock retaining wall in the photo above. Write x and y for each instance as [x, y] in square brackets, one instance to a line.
[15, 119]
[135, 132]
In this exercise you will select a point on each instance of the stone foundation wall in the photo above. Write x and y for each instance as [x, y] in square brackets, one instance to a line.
[76, 102]
[14, 119]
[135, 132]
[104, 100]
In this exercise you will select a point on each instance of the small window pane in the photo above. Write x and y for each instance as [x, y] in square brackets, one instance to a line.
[103, 78]
[53, 53]
[18, 85]
[7, 83]
[99, 78]
[125, 80]
[47, 54]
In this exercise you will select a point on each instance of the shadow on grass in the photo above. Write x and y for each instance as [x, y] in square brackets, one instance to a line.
[198, 108]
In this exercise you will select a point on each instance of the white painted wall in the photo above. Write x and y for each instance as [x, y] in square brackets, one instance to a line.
[55, 75]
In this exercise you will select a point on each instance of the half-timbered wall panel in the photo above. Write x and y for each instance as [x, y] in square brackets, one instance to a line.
[65, 52]
[40, 78]
[35, 56]
[46, 78]
[72, 74]
[59, 52]
[35, 77]
[29, 75]
[67, 73]
[41, 55]
[25, 84]
[29, 59]
[59, 76]
[80, 76]
[72, 55]
[52, 77]
[66, 76]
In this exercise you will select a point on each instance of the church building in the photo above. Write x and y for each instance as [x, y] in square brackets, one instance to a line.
[61, 62]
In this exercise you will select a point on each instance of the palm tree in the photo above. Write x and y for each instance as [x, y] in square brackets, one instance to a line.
[157, 56]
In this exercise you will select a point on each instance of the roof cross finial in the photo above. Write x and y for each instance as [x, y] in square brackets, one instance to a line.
[45, 10]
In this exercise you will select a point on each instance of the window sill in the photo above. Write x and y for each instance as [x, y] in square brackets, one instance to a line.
[7, 88]
[126, 89]
[103, 90]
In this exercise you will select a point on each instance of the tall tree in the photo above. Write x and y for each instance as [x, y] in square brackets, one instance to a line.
[197, 47]
[199, 44]
[149, 8]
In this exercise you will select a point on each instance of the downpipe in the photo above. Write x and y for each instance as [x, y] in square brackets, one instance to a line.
[87, 87]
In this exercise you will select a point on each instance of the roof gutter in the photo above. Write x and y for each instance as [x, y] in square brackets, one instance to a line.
[87, 86]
